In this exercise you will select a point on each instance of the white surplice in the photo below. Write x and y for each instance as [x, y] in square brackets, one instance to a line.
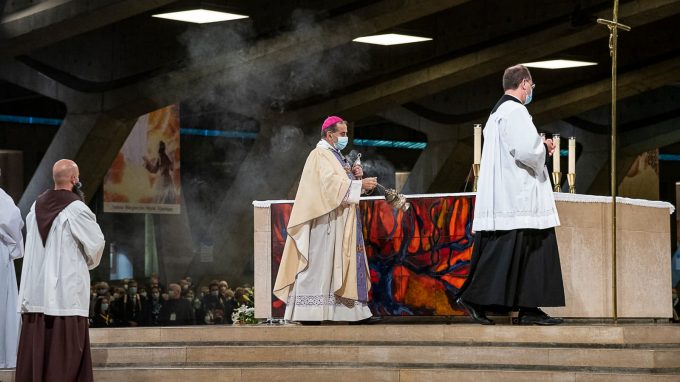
[55, 278]
[514, 188]
[11, 248]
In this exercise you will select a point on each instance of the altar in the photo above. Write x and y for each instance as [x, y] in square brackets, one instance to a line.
[419, 258]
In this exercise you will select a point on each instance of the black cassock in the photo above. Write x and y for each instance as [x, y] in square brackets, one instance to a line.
[513, 269]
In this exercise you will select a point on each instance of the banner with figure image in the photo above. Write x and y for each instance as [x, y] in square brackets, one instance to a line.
[145, 176]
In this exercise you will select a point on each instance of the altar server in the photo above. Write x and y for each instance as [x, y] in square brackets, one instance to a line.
[515, 262]
[11, 248]
[63, 242]
[324, 272]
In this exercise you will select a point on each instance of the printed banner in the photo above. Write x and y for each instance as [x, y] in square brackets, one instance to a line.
[145, 176]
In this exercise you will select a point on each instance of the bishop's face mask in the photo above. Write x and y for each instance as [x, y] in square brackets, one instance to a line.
[342, 143]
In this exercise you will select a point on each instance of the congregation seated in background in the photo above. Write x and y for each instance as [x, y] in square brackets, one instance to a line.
[129, 303]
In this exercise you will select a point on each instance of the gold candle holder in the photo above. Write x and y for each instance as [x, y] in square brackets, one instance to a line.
[571, 179]
[557, 181]
[475, 172]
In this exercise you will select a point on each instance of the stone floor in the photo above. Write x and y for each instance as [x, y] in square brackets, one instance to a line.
[398, 352]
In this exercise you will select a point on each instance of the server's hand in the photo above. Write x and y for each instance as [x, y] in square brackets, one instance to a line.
[551, 146]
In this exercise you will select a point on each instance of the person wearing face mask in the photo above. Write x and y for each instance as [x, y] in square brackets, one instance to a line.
[155, 282]
[213, 303]
[204, 291]
[115, 307]
[101, 289]
[189, 296]
[63, 243]
[103, 317]
[143, 293]
[199, 311]
[223, 288]
[130, 307]
[515, 262]
[324, 272]
[177, 310]
[154, 306]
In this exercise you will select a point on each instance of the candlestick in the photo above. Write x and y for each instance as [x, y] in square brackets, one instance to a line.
[475, 171]
[557, 181]
[478, 143]
[572, 155]
[556, 154]
[571, 179]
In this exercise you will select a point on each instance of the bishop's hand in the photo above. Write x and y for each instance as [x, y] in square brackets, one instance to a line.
[369, 183]
[358, 171]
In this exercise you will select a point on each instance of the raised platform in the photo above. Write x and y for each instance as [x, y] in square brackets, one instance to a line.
[387, 352]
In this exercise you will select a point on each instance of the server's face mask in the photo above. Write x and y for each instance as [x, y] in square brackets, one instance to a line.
[530, 93]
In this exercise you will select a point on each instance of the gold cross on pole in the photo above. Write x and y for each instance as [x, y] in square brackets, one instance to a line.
[614, 27]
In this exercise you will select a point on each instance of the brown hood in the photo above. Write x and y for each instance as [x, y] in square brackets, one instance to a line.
[49, 204]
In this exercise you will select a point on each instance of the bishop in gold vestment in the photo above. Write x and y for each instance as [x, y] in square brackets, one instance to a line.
[324, 272]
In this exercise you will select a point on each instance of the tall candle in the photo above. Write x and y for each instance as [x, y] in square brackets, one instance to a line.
[478, 143]
[556, 154]
[572, 155]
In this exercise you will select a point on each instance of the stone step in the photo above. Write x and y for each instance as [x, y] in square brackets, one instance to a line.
[393, 352]
[428, 356]
[603, 335]
[279, 374]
